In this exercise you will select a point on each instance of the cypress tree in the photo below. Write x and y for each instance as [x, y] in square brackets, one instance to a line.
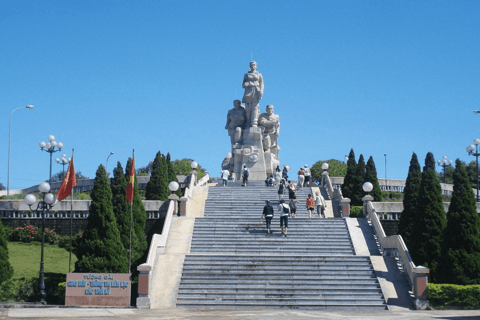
[139, 238]
[165, 192]
[349, 181]
[410, 202]
[6, 270]
[360, 174]
[121, 207]
[429, 220]
[171, 174]
[101, 249]
[157, 187]
[461, 241]
[371, 176]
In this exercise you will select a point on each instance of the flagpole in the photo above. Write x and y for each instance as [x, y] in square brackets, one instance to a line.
[71, 225]
[131, 217]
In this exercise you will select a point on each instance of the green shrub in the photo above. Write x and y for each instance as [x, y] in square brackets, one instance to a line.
[60, 293]
[443, 296]
[64, 242]
[27, 234]
[18, 289]
[356, 212]
[8, 232]
[31, 233]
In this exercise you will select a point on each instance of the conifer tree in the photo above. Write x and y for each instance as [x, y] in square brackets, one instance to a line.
[171, 173]
[360, 174]
[157, 187]
[121, 207]
[165, 192]
[410, 202]
[429, 220]
[461, 241]
[371, 176]
[139, 238]
[6, 270]
[101, 249]
[349, 180]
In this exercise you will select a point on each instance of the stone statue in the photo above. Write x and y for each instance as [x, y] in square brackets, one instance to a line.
[235, 123]
[271, 124]
[253, 84]
[226, 162]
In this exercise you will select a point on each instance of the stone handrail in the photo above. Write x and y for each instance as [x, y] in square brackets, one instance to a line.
[204, 180]
[189, 189]
[333, 193]
[157, 247]
[395, 246]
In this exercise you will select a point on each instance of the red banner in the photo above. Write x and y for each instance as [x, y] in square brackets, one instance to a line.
[69, 181]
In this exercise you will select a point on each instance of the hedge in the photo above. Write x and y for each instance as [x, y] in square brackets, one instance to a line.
[445, 296]
[356, 212]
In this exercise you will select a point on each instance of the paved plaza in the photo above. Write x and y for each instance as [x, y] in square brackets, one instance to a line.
[273, 314]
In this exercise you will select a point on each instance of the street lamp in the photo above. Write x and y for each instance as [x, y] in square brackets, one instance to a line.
[63, 162]
[443, 163]
[50, 148]
[48, 201]
[470, 149]
[367, 187]
[106, 165]
[28, 106]
[173, 186]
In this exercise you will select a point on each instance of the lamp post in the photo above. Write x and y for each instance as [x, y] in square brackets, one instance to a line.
[173, 186]
[63, 161]
[48, 201]
[367, 187]
[106, 164]
[443, 163]
[194, 166]
[51, 147]
[470, 149]
[28, 106]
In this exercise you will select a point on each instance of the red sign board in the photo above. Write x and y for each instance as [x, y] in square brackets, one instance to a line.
[98, 289]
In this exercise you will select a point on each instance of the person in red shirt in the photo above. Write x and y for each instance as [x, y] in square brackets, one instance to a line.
[310, 205]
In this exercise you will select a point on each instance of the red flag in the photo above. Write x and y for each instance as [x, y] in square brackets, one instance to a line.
[69, 181]
[131, 181]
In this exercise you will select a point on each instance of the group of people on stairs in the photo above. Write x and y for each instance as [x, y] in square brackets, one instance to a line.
[290, 210]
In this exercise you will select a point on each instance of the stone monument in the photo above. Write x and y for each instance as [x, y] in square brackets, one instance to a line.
[253, 137]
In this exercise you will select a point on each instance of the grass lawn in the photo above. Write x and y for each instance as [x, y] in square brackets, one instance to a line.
[25, 258]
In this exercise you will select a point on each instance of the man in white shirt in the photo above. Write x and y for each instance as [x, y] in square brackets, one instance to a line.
[225, 174]
[284, 210]
[308, 174]
[320, 204]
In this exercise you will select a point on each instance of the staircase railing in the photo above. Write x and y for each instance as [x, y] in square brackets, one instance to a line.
[343, 203]
[157, 247]
[395, 246]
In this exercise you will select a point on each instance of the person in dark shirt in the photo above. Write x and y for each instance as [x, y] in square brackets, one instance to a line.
[268, 214]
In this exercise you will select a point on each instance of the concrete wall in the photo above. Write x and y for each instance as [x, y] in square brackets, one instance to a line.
[62, 226]
[15, 213]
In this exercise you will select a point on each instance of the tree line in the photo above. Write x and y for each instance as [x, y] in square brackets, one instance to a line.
[447, 243]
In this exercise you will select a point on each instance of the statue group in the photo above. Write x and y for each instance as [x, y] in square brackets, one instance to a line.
[253, 135]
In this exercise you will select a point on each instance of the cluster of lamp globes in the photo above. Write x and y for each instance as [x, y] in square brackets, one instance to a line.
[48, 198]
[444, 160]
[52, 144]
[471, 147]
[64, 159]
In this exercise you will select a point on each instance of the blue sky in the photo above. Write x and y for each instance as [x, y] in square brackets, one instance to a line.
[391, 77]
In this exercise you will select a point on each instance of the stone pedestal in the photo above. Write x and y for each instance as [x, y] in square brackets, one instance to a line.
[251, 154]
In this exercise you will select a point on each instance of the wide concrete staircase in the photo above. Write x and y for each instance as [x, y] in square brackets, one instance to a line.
[234, 263]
